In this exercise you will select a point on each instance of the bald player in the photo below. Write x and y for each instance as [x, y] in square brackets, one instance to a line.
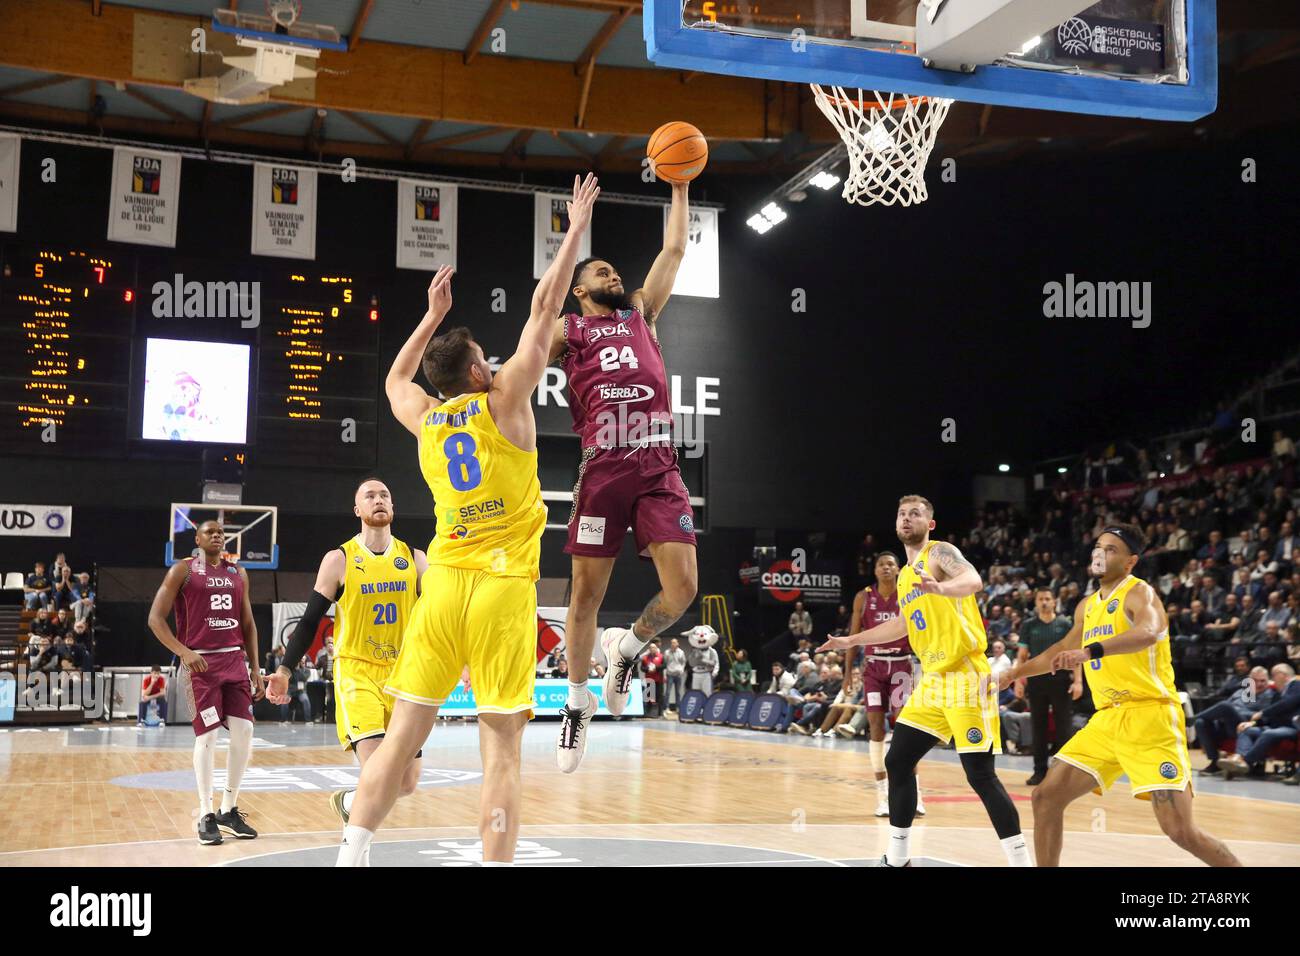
[374, 578]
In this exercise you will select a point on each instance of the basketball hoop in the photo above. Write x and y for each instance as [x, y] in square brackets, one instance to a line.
[889, 140]
[284, 13]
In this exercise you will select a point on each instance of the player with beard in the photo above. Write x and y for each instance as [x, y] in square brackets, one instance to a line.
[214, 631]
[1121, 637]
[956, 696]
[628, 477]
[886, 671]
[374, 578]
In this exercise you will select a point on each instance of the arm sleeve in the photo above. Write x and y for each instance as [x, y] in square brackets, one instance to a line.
[305, 632]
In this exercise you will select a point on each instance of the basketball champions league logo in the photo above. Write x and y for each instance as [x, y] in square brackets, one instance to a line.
[1075, 37]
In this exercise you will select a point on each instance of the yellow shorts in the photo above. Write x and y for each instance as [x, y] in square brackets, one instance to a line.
[361, 708]
[960, 706]
[1147, 740]
[485, 620]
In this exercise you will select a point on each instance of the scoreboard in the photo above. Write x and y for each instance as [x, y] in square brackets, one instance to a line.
[73, 330]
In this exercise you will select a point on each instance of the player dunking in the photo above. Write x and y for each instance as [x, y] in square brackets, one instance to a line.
[478, 600]
[375, 579]
[1121, 637]
[611, 356]
[886, 670]
[956, 696]
[214, 630]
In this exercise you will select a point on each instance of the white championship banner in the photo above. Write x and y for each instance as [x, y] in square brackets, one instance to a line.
[550, 223]
[36, 521]
[10, 151]
[284, 211]
[145, 199]
[285, 616]
[426, 225]
[698, 273]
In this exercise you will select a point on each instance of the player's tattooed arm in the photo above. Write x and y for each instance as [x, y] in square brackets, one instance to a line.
[955, 576]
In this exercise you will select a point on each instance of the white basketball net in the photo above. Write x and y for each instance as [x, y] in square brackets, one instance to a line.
[889, 140]
[284, 12]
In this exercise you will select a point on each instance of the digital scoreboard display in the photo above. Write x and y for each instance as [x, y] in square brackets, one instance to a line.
[81, 331]
[65, 349]
[318, 381]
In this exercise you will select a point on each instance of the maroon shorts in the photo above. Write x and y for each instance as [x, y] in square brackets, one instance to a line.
[886, 684]
[618, 488]
[220, 692]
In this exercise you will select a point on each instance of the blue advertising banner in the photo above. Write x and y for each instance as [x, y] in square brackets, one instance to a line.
[550, 695]
[718, 707]
[8, 698]
[739, 715]
[692, 707]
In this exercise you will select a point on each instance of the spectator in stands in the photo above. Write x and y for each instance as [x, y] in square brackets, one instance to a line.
[1252, 615]
[802, 652]
[41, 624]
[1279, 507]
[37, 645]
[999, 625]
[1277, 612]
[1017, 721]
[83, 598]
[782, 684]
[1226, 622]
[652, 666]
[742, 672]
[1179, 540]
[842, 622]
[1215, 548]
[801, 623]
[847, 703]
[1193, 622]
[807, 677]
[82, 635]
[1210, 594]
[596, 671]
[153, 688]
[273, 658]
[1222, 719]
[37, 588]
[1266, 727]
[1288, 546]
[1283, 447]
[674, 675]
[1264, 564]
[61, 593]
[298, 698]
[325, 658]
[60, 623]
[817, 699]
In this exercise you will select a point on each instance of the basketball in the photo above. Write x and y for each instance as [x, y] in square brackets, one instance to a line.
[678, 152]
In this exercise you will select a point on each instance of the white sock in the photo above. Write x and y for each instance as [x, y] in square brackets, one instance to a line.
[577, 695]
[900, 850]
[877, 750]
[630, 645]
[1017, 850]
[882, 786]
[356, 846]
[241, 747]
[347, 801]
[365, 856]
[205, 752]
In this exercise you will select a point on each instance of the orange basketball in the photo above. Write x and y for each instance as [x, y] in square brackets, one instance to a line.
[678, 152]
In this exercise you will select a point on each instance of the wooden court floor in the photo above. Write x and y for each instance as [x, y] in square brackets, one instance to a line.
[123, 797]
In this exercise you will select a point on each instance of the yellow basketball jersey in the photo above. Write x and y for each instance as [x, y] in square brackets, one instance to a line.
[947, 634]
[1144, 675]
[485, 491]
[378, 594]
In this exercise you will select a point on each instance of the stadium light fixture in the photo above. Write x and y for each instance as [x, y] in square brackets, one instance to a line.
[820, 172]
[1004, 468]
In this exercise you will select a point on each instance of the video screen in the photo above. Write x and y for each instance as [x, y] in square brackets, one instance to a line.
[195, 391]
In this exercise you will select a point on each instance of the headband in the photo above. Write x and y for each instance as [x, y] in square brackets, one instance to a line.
[1131, 542]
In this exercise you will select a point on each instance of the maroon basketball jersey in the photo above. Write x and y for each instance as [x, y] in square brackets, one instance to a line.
[876, 610]
[209, 605]
[618, 389]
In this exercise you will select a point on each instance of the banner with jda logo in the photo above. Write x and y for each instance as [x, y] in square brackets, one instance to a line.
[698, 272]
[550, 695]
[36, 521]
[284, 211]
[10, 150]
[550, 223]
[426, 225]
[143, 205]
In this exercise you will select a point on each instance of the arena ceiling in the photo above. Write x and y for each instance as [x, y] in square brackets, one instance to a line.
[420, 84]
